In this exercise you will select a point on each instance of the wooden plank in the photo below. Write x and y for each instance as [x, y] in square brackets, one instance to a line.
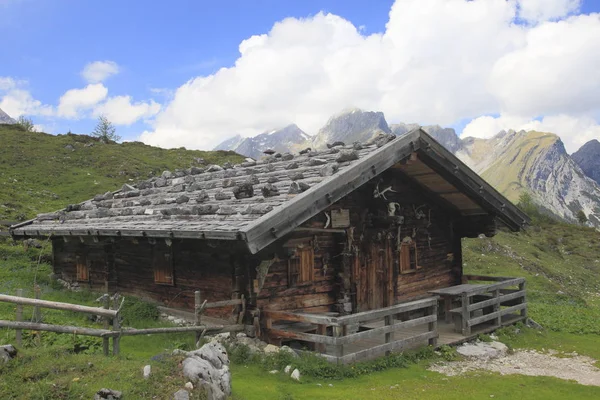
[487, 317]
[371, 333]
[224, 303]
[494, 286]
[307, 337]
[300, 317]
[210, 330]
[57, 306]
[382, 312]
[470, 277]
[495, 300]
[381, 349]
[75, 330]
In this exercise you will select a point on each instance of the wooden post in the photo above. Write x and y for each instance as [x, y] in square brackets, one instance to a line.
[197, 314]
[321, 330]
[466, 315]
[116, 327]
[433, 326]
[522, 286]
[18, 332]
[497, 308]
[37, 316]
[388, 336]
[338, 331]
[105, 340]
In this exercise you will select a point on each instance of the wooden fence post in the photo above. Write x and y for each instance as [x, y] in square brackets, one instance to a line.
[18, 332]
[116, 327]
[197, 314]
[37, 316]
[105, 340]
[522, 286]
[338, 331]
[466, 315]
[388, 336]
[496, 308]
[433, 325]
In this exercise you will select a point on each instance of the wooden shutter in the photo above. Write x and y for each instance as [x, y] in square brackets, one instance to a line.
[83, 270]
[408, 257]
[163, 266]
[301, 266]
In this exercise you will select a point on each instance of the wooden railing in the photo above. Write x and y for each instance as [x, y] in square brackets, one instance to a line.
[111, 314]
[105, 312]
[495, 303]
[375, 336]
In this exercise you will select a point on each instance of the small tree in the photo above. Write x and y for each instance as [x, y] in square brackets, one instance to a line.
[581, 217]
[26, 124]
[105, 130]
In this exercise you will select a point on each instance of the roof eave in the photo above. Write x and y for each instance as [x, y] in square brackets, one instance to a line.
[277, 224]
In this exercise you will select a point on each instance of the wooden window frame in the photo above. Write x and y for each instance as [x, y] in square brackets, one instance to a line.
[409, 258]
[82, 268]
[163, 271]
[301, 267]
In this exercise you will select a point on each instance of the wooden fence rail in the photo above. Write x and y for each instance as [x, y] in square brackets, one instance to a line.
[343, 346]
[110, 314]
[495, 303]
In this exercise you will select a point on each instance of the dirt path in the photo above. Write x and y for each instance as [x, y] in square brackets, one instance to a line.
[532, 363]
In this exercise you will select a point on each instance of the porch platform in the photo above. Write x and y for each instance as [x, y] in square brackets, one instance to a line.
[370, 334]
[446, 332]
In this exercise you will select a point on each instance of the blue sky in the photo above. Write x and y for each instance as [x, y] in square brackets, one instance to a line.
[160, 47]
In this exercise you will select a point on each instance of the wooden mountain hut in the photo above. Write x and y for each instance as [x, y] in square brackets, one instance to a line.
[348, 250]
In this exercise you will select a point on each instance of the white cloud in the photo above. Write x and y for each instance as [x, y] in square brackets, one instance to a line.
[16, 100]
[98, 71]
[545, 10]
[573, 130]
[121, 111]
[76, 101]
[438, 61]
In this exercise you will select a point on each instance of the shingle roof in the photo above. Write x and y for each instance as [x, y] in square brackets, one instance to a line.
[256, 201]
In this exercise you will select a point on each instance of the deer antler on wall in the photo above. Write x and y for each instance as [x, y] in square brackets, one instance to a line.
[381, 193]
[328, 221]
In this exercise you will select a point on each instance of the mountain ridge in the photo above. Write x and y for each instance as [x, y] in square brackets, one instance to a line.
[6, 119]
[513, 162]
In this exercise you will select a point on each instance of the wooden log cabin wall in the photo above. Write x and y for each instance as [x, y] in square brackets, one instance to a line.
[384, 243]
[164, 271]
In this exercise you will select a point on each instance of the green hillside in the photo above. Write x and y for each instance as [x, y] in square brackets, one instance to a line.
[41, 172]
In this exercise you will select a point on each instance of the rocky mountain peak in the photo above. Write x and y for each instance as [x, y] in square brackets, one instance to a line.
[350, 126]
[5, 118]
[588, 159]
[280, 140]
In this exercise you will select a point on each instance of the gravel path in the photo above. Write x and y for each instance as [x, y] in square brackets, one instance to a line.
[532, 363]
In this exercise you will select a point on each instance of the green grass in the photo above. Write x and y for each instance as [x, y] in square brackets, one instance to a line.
[38, 173]
[414, 382]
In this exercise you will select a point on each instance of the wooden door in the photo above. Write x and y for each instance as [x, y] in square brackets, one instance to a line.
[372, 272]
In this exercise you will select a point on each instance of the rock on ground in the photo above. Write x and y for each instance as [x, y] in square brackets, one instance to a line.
[181, 394]
[482, 350]
[147, 371]
[209, 367]
[107, 394]
[295, 375]
[7, 353]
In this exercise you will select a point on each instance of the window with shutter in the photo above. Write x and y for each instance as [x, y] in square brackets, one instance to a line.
[163, 266]
[83, 269]
[408, 257]
[301, 266]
